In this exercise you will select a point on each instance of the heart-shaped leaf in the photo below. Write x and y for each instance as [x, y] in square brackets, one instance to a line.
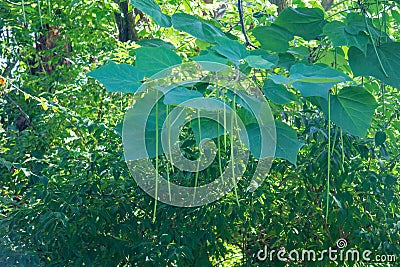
[303, 22]
[118, 77]
[151, 60]
[273, 37]
[368, 65]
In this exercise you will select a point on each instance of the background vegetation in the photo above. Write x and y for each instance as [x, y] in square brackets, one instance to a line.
[66, 195]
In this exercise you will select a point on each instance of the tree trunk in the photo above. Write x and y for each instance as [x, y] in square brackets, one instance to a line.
[282, 4]
[125, 22]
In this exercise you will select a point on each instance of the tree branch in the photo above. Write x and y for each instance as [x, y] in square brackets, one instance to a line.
[241, 21]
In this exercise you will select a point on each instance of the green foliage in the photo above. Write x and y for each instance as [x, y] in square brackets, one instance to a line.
[66, 195]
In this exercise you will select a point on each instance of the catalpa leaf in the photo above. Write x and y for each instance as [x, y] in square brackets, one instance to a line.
[312, 80]
[273, 58]
[273, 38]
[118, 77]
[351, 109]
[369, 65]
[202, 30]
[337, 33]
[155, 43]
[211, 61]
[287, 143]
[278, 93]
[151, 8]
[152, 60]
[303, 22]
[261, 145]
[208, 129]
[179, 95]
[231, 49]
[258, 62]
[141, 123]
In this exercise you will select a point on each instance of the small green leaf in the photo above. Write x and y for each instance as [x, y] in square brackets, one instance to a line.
[278, 93]
[231, 49]
[151, 8]
[259, 62]
[303, 22]
[202, 30]
[368, 65]
[380, 138]
[287, 143]
[151, 60]
[118, 77]
[273, 37]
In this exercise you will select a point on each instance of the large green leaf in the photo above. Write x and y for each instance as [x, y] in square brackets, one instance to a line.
[118, 77]
[200, 29]
[313, 80]
[140, 121]
[278, 93]
[154, 59]
[273, 37]
[355, 23]
[351, 109]
[211, 61]
[231, 49]
[259, 62]
[151, 8]
[368, 65]
[178, 95]
[209, 129]
[254, 134]
[303, 22]
[210, 56]
[273, 58]
[155, 43]
[339, 36]
[287, 143]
